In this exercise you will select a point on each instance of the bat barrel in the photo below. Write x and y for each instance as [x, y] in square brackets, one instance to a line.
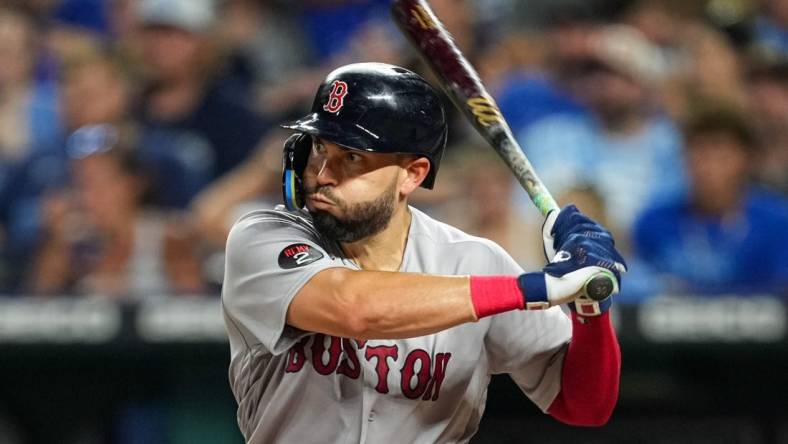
[461, 81]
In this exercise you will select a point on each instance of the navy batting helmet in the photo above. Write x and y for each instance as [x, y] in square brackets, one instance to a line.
[371, 107]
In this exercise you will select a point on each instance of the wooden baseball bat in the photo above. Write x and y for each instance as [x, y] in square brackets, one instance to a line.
[426, 33]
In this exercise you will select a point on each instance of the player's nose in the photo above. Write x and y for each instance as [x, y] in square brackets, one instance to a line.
[326, 172]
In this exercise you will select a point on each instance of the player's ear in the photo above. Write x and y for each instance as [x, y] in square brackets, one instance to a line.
[415, 171]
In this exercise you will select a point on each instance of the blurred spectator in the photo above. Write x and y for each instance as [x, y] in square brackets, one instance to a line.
[331, 25]
[207, 122]
[104, 79]
[174, 175]
[768, 82]
[588, 200]
[28, 108]
[90, 15]
[124, 31]
[265, 44]
[626, 148]
[713, 71]
[485, 208]
[771, 27]
[99, 238]
[663, 27]
[542, 85]
[726, 236]
[29, 125]
[369, 37]
[527, 97]
[698, 62]
[93, 76]
[76, 27]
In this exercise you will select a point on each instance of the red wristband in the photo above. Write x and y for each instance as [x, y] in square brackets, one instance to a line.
[495, 294]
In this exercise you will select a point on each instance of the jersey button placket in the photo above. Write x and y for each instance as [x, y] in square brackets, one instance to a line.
[364, 424]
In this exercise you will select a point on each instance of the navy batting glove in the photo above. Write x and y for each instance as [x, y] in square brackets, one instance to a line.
[581, 258]
[602, 254]
[560, 225]
[579, 251]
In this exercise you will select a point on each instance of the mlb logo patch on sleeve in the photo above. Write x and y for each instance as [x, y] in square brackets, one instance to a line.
[298, 255]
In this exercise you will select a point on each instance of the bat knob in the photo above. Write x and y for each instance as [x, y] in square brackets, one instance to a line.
[600, 286]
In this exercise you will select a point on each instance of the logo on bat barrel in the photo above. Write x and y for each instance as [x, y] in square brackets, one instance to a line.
[485, 110]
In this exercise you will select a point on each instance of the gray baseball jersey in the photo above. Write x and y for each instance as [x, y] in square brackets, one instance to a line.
[294, 386]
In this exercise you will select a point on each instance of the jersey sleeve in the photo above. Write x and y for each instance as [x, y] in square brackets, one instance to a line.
[529, 345]
[268, 260]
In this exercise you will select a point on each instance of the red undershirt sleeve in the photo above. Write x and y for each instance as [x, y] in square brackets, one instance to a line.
[590, 375]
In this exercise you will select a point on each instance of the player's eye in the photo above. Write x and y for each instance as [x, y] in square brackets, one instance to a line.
[319, 148]
[353, 157]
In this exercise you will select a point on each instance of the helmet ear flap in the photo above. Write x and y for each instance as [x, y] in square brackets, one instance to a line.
[294, 159]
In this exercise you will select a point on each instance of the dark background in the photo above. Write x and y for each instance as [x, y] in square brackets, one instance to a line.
[175, 385]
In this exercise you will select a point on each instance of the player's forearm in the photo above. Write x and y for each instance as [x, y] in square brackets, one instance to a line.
[590, 376]
[382, 305]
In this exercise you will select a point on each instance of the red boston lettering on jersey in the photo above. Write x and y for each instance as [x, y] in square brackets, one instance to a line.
[334, 350]
[336, 98]
[382, 353]
[296, 356]
[422, 377]
[426, 384]
[438, 374]
[349, 366]
[421, 374]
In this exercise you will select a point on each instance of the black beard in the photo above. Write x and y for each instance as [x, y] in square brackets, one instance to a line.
[362, 220]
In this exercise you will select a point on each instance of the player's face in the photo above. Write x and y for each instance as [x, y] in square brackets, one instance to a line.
[351, 194]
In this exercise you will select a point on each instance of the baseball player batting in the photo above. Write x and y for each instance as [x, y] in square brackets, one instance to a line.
[354, 317]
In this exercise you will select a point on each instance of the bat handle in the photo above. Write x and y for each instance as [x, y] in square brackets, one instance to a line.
[600, 286]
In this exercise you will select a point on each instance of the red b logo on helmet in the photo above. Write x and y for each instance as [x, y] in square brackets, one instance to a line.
[337, 97]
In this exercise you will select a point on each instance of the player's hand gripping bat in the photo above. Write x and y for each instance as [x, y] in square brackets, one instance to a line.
[462, 83]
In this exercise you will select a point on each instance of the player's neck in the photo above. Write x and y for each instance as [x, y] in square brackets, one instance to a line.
[383, 251]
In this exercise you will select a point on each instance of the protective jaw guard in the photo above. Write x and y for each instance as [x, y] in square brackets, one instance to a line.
[296, 154]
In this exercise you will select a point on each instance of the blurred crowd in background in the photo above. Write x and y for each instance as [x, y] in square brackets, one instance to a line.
[134, 132]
